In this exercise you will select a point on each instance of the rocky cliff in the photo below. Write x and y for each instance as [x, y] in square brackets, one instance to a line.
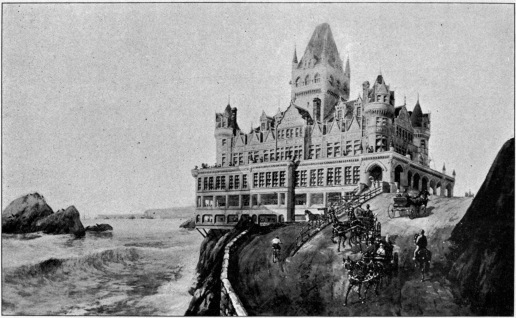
[31, 213]
[206, 288]
[483, 254]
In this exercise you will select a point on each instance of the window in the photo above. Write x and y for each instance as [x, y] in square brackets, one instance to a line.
[297, 178]
[339, 114]
[233, 200]
[300, 199]
[316, 198]
[331, 80]
[223, 182]
[241, 158]
[237, 182]
[265, 157]
[338, 177]
[208, 201]
[244, 181]
[268, 179]
[269, 199]
[261, 179]
[317, 151]
[312, 178]
[336, 149]
[356, 175]
[303, 178]
[349, 148]
[378, 98]
[245, 199]
[235, 159]
[347, 175]
[272, 154]
[217, 183]
[307, 80]
[223, 142]
[210, 184]
[320, 177]
[205, 183]
[255, 180]
[381, 143]
[317, 78]
[275, 179]
[282, 179]
[221, 201]
[357, 147]
[329, 176]
[230, 183]
[298, 81]
[223, 160]
[329, 150]
[311, 152]
[199, 183]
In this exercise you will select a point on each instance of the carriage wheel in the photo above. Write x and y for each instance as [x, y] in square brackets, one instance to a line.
[390, 210]
[412, 212]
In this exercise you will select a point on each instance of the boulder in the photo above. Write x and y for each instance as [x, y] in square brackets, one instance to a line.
[99, 228]
[62, 222]
[22, 214]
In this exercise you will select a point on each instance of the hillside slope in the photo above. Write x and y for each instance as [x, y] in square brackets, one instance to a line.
[484, 258]
[313, 281]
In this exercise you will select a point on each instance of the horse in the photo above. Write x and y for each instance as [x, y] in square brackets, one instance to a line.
[423, 257]
[313, 218]
[340, 229]
[356, 276]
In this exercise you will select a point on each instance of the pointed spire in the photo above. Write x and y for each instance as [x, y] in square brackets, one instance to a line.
[444, 168]
[347, 71]
[453, 173]
[294, 59]
[404, 100]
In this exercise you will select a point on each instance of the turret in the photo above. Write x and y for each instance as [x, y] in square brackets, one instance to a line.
[421, 124]
[453, 174]
[379, 114]
[225, 128]
[444, 168]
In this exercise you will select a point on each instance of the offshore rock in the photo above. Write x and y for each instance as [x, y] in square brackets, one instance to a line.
[483, 255]
[22, 214]
[99, 228]
[62, 222]
[188, 224]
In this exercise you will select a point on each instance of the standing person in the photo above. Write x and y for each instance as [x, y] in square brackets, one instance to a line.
[421, 243]
[276, 248]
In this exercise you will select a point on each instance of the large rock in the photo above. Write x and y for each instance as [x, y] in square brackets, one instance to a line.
[99, 228]
[483, 260]
[62, 222]
[22, 214]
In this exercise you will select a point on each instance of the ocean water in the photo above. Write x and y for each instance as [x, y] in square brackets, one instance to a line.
[141, 268]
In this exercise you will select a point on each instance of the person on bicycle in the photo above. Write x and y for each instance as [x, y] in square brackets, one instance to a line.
[276, 243]
[421, 243]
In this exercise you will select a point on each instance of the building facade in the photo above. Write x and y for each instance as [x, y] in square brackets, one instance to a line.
[321, 147]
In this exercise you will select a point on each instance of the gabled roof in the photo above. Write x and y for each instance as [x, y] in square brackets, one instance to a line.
[317, 130]
[270, 136]
[417, 116]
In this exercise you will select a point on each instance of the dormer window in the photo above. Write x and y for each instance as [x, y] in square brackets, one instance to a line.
[378, 98]
[317, 78]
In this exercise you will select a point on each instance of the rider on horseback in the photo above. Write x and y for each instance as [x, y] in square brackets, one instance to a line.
[421, 243]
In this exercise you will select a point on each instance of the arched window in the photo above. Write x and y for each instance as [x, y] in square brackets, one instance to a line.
[298, 81]
[317, 78]
[307, 80]
[331, 80]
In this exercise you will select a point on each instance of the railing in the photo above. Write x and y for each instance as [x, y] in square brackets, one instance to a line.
[345, 206]
[230, 304]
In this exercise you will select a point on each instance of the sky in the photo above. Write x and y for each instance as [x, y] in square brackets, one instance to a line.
[108, 107]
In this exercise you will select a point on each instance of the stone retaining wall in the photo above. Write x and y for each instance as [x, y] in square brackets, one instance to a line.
[230, 304]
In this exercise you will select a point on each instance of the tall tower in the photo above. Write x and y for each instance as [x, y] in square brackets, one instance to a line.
[421, 125]
[319, 75]
[225, 128]
[378, 104]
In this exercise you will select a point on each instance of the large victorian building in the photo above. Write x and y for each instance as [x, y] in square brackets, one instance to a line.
[321, 147]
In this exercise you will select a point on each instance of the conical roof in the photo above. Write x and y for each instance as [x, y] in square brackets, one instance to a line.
[294, 59]
[417, 116]
[322, 45]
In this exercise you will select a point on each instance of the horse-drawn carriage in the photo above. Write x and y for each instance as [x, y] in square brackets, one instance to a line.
[409, 206]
